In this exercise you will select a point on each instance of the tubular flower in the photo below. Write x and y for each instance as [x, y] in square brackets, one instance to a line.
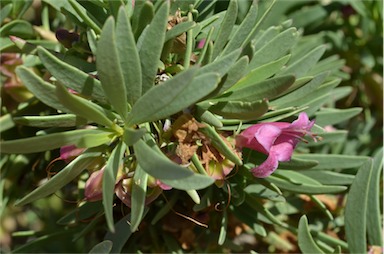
[277, 140]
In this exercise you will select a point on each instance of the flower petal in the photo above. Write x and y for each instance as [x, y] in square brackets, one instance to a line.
[267, 167]
[266, 136]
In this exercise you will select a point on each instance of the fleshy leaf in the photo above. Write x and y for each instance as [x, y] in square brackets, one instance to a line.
[240, 110]
[306, 242]
[109, 180]
[138, 194]
[66, 175]
[109, 69]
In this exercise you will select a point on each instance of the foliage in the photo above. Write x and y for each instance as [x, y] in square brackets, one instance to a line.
[149, 96]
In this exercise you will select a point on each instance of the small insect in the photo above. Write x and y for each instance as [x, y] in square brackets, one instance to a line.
[161, 78]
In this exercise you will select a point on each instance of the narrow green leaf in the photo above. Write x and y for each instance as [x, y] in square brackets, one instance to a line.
[5, 11]
[334, 161]
[218, 142]
[301, 92]
[46, 142]
[261, 73]
[128, 56]
[304, 64]
[6, 122]
[194, 196]
[179, 29]
[267, 89]
[43, 91]
[306, 242]
[225, 28]
[109, 180]
[66, 175]
[356, 210]
[147, 12]
[235, 73]
[305, 188]
[223, 228]
[159, 166]
[63, 120]
[109, 70]
[83, 107]
[238, 40]
[138, 195]
[221, 65]
[206, 116]
[85, 15]
[71, 76]
[374, 221]
[240, 110]
[274, 49]
[334, 116]
[172, 96]
[131, 136]
[298, 164]
[102, 247]
[19, 28]
[152, 46]
[329, 177]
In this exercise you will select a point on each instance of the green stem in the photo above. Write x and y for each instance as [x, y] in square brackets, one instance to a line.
[190, 40]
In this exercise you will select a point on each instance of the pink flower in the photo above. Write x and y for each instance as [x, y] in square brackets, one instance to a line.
[277, 140]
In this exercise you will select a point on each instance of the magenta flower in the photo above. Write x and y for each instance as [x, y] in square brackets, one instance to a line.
[277, 140]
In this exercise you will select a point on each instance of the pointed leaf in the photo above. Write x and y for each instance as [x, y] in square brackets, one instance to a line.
[159, 166]
[83, 107]
[334, 116]
[240, 110]
[64, 120]
[261, 73]
[43, 91]
[221, 65]
[128, 56]
[70, 76]
[109, 70]
[172, 96]
[152, 46]
[179, 29]
[66, 175]
[356, 210]
[374, 221]
[47, 142]
[225, 28]
[267, 89]
[109, 180]
[334, 161]
[306, 242]
[131, 136]
[138, 195]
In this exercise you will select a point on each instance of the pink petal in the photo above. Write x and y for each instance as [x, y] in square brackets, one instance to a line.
[267, 167]
[266, 136]
[284, 150]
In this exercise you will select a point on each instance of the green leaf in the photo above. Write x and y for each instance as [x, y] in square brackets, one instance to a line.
[179, 29]
[222, 146]
[334, 161]
[138, 195]
[109, 180]
[305, 188]
[47, 142]
[223, 228]
[267, 89]
[102, 247]
[334, 116]
[240, 110]
[109, 69]
[88, 19]
[172, 96]
[19, 28]
[203, 115]
[128, 56]
[305, 240]
[261, 73]
[159, 166]
[221, 65]
[131, 136]
[302, 92]
[356, 210]
[152, 46]
[83, 107]
[235, 73]
[71, 76]
[145, 17]
[66, 175]
[238, 39]
[274, 49]
[298, 164]
[43, 91]
[5, 11]
[304, 64]
[374, 221]
[6, 122]
[225, 28]
[63, 120]
[329, 177]
[121, 234]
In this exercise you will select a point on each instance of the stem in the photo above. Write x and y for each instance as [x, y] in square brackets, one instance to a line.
[190, 39]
